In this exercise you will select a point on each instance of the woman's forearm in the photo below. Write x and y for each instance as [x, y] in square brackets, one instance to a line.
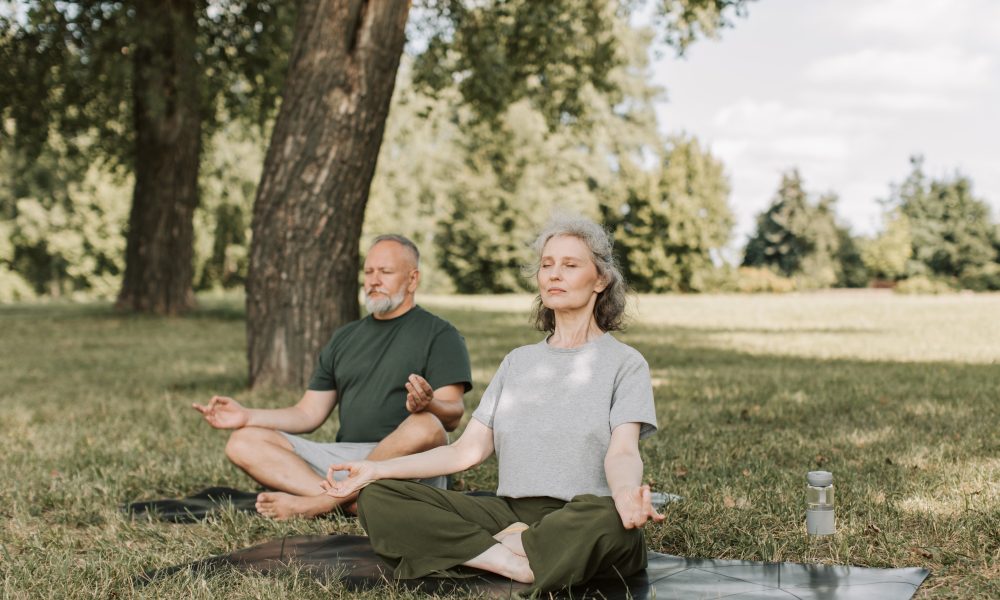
[443, 460]
[623, 471]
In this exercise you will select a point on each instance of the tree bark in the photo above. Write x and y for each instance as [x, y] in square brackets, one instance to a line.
[166, 78]
[304, 260]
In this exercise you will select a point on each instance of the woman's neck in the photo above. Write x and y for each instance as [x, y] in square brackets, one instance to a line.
[574, 329]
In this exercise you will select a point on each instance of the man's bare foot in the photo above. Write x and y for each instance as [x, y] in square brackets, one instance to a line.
[280, 506]
[510, 537]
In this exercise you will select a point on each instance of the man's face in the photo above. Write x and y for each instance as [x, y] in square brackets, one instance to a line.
[390, 276]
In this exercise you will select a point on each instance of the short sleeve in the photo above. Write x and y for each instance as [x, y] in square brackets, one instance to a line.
[324, 378]
[487, 408]
[632, 401]
[448, 360]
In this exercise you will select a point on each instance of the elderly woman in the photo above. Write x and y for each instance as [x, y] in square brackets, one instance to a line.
[564, 417]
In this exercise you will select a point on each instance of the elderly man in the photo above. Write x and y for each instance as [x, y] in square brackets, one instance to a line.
[397, 376]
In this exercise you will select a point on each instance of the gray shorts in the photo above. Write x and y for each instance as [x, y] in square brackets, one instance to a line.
[320, 456]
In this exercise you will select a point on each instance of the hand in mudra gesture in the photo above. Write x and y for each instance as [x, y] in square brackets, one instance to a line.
[419, 393]
[223, 413]
[635, 506]
[361, 474]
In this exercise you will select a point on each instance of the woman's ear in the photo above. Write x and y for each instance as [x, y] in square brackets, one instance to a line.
[602, 284]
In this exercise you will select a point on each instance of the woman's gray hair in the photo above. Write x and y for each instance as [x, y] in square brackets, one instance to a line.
[609, 311]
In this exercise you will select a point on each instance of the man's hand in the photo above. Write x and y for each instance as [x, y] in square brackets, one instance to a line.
[635, 506]
[419, 393]
[361, 474]
[224, 413]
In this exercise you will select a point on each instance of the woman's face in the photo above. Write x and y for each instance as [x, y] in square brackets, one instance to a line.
[567, 275]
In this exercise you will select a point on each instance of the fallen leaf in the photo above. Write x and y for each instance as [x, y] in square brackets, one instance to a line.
[680, 472]
[728, 502]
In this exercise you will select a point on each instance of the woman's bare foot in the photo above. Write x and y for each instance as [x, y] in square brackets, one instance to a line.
[501, 560]
[510, 537]
[281, 506]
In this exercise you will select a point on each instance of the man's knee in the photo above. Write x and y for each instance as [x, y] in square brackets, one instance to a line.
[245, 443]
[425, 431]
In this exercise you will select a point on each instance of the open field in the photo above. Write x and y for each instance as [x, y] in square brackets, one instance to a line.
[898, 396]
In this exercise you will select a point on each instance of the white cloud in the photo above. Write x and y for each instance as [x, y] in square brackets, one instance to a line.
[959, 20]
[909, 101]
[753, 117]
[935, 67]
[808, 147]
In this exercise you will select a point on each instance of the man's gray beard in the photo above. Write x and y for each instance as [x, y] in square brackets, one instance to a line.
[383, 304]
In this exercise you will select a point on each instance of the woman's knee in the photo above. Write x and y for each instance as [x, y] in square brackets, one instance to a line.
[604, 520]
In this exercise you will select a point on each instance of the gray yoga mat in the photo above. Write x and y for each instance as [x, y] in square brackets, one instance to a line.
[350, 559]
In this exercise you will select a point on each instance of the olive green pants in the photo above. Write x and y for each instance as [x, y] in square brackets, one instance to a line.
[426, 531]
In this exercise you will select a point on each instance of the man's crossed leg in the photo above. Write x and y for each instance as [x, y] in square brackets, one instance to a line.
[294, 467]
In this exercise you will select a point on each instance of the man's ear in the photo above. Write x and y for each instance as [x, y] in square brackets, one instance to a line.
[414, 281]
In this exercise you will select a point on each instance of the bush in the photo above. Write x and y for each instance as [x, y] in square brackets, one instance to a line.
[985, 278]
[754, 280]
[923, 285]
[13, 287]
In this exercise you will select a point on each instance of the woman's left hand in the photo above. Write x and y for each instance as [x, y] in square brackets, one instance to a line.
[635, 506]
[360, 474]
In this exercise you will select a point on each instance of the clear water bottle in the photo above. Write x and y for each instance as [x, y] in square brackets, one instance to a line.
[819, 503]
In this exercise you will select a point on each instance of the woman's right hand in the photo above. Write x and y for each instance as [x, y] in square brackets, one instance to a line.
[635, 506]
[361, 473]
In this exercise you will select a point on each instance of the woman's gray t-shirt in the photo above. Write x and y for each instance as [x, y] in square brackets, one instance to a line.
[552, 411]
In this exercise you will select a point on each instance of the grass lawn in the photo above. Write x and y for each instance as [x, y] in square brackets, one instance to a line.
[898, 396]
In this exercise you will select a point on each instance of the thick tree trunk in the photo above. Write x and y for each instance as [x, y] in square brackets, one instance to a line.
[303, 278]
[158, 253]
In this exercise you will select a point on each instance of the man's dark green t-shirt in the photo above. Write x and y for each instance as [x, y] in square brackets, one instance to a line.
[368, 362]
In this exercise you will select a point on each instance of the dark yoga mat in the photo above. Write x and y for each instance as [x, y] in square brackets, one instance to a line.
[350, 558]
[196, 507]
[206, 503]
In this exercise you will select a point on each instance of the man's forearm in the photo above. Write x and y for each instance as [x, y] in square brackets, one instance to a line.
[290, 420]
[449, 412]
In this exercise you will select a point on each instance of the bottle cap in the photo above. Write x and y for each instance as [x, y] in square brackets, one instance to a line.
[820, 478]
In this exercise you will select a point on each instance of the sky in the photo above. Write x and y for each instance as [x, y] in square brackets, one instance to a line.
[847, 91]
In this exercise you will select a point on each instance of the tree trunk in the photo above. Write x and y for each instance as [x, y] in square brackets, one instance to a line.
[158, 252]
[310, 205]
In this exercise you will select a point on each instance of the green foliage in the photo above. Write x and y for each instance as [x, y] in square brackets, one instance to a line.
[512, 173]
[61, 219]
[69, 67]
[952, 233]
[757, 280]
[983, 278]
[514, 177]
[497, 53]
[229, 179]
[673, 220]
[886, 256]
[64, 221]
[797, 237]
[922, 284]
[851, 269]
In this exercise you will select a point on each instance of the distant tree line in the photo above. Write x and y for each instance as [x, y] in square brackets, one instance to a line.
[936, 235]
